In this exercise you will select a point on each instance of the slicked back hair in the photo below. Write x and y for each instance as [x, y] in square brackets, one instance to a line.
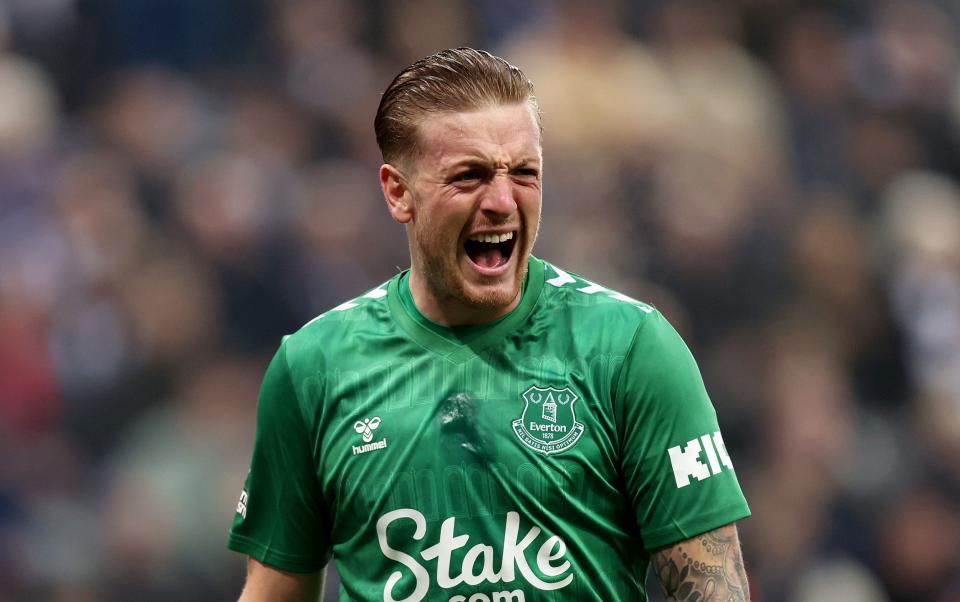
[450, 81]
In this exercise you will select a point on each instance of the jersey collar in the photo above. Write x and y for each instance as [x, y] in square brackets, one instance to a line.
[460, 343]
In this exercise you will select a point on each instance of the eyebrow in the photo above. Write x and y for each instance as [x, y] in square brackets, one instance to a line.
[477, 161]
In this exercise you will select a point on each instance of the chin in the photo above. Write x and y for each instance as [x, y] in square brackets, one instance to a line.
[492, 297]
[495, 295]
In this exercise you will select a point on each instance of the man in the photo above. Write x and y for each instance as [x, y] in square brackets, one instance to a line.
[484, 426]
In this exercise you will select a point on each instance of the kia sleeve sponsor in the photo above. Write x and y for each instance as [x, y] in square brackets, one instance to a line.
[688, 461]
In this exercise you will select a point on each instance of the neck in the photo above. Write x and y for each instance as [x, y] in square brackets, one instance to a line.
[449, 310]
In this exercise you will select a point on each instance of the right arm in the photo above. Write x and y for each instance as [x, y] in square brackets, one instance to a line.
[281, 521]
[268, 584]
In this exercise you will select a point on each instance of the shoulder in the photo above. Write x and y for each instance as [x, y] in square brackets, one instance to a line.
[335, 331]
[583, 299]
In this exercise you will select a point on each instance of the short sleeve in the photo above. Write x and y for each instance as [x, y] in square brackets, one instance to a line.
[679, 477]
[281, 518]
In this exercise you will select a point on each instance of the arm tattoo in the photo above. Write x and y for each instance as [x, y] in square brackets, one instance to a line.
[707, 568]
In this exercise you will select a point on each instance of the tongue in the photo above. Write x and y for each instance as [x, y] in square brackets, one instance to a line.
[487, 256]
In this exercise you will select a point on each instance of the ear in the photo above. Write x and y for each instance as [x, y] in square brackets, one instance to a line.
[397, 193]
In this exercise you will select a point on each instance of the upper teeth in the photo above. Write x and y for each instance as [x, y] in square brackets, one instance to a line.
[494, 238]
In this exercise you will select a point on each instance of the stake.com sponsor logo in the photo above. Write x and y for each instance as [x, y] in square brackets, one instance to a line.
[513, 559]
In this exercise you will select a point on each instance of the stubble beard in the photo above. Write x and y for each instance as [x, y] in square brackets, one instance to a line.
[445, 281]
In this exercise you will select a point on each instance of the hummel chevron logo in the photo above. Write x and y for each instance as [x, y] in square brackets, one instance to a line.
[365, 429]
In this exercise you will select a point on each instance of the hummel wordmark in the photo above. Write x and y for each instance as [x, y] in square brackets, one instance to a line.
[365, 429]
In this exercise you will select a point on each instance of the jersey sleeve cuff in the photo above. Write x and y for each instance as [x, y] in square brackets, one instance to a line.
[660, 537]
[268, 556]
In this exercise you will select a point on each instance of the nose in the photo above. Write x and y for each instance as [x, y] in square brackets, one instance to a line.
[498, 198]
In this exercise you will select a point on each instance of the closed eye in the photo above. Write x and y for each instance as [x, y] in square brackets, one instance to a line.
[525, 174]
[469, 175]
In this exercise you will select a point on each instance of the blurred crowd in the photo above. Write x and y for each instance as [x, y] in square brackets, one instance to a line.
[184, 181]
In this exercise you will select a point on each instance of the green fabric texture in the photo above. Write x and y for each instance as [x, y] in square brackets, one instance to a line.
[540, 457]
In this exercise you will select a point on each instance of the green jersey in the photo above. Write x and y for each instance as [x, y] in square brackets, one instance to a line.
[539, 457]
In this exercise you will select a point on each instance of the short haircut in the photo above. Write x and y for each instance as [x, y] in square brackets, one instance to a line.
[450, 81]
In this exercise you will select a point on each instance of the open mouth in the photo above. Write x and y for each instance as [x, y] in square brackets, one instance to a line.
[490, 251]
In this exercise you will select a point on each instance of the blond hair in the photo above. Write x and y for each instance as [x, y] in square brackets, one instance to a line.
[453, 80]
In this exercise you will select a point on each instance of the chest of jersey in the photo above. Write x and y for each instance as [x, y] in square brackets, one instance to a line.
[535, 458]
[497, 469]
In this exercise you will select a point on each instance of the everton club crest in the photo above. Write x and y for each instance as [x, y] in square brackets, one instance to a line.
[548, 424]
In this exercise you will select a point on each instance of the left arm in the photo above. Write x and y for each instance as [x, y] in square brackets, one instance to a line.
[678, 475]
[705, 568]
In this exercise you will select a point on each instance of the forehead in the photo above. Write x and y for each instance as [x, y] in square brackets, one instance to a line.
[499, 134]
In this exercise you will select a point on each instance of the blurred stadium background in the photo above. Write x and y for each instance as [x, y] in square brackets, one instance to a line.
[184, 181]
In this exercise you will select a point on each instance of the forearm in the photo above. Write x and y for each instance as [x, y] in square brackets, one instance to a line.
[706, 568]
[268, 584]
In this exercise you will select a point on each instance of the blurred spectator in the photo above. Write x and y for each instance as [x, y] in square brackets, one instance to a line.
[920, 546]
[183, 183]
[153, 118]
[176, 467]
[186, 34]
[28, 115]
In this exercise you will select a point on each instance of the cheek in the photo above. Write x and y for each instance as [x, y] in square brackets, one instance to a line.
[530, 206]
[448, 220]
[437, 230]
